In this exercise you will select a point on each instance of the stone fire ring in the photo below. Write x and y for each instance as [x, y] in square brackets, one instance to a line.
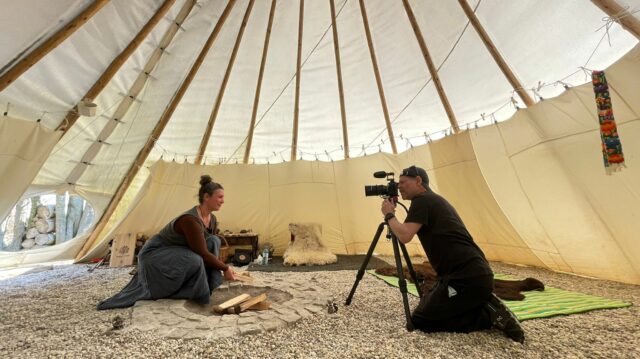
[171, 319]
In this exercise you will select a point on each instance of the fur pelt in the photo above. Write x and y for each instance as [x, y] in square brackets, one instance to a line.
[307, 248]
[504, 289]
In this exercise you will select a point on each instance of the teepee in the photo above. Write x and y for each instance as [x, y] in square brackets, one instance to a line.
[292, 105]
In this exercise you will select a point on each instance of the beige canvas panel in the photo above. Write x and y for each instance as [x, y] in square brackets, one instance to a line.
[24, 146]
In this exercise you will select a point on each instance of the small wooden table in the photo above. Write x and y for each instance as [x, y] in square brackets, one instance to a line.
[240, 239]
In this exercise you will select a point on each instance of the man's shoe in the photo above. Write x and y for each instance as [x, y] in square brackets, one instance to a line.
[503, 319]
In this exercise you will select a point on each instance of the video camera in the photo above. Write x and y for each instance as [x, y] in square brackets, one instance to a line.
[388, 191]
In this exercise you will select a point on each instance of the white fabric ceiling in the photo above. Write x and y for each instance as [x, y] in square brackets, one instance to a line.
[542, 41]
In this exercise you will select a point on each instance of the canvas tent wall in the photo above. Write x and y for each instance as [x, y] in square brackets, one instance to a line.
[134, 100]
[532, 190]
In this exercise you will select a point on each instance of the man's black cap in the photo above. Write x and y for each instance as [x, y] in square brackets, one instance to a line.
[414, 171]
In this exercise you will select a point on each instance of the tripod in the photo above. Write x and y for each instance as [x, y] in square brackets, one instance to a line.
[402, 283]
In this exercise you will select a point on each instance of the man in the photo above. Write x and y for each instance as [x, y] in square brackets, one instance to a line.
[462, 299]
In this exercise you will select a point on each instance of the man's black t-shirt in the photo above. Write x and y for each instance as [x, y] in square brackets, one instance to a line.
[449, 246]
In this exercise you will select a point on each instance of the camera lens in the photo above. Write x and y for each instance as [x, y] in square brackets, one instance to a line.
[375, 190]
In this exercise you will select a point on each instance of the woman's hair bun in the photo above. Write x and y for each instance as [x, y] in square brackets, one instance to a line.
[205, 179]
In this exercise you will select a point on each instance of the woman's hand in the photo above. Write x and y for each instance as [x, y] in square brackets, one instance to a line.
[229, 274]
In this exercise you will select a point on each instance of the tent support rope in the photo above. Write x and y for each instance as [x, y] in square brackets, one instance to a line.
[497, 57]
[620, 15]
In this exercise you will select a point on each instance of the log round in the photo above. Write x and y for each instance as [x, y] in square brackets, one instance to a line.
[45, 225]
[28, 243]
[32, 233]
[44, 239]
[44, 212]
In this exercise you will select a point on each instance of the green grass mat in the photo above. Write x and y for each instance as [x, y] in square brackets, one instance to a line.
[550, 302]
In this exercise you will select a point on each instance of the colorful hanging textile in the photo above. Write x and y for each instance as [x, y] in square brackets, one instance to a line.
[611, 146]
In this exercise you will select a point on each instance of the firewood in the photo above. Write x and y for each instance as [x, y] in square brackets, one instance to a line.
[45, 225]
[28, 243]
[61, 219]
[32, 233]
[220, 308]
[44, 212]
[74, 212]
[44, 239]
[261, 306]
[243, 277]
[239, 308]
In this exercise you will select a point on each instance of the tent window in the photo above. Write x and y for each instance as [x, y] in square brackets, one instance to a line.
[45, 220]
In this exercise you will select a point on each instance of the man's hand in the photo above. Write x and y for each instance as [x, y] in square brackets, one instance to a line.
[387, 207]
[229, 274]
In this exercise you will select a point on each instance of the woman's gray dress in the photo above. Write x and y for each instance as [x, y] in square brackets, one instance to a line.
[168, 268]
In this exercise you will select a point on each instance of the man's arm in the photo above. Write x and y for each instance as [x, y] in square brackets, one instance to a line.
[404, 231]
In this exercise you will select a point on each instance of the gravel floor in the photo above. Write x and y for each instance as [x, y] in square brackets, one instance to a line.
[51, 314]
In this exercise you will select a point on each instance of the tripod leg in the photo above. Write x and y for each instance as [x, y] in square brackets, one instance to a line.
[412, 271]
[402, 283]
[363, 267]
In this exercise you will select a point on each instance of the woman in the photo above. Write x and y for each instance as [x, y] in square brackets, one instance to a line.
[181, 261]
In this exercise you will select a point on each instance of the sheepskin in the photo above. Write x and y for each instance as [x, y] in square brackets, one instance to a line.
[307, 247]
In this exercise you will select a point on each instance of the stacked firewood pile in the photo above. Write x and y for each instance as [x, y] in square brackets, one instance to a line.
[33, 223]
[42, 228]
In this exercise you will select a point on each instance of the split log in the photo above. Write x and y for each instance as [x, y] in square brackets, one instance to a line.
[28, 243]
[18, 229]
[44, 212]
[242, 307]
[61, 219]
[261, 306]
[220, 308]
[74, 211]
[45, 225]
[32, 233]
[243, 277]
[86, 220]
[35, 203]
[45, 239]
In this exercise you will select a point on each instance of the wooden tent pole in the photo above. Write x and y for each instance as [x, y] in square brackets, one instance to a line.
[134, 90]
[493, 50]
[216, 107]
[336, 48]
[56, 39]
[296, 106]
[432, 68]
[256, 98]
[115, 65]
[376, 71]
[621, 15]
[155, 134]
